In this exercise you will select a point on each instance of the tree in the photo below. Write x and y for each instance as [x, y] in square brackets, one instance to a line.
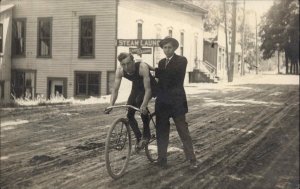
[249, 44]
[215, 15]
[232, 55]
[280, 32]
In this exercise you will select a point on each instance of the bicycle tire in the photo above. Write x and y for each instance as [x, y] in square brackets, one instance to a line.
[151, 147]
[118, 148]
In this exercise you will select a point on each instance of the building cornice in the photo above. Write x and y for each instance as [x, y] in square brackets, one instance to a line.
[187, 5]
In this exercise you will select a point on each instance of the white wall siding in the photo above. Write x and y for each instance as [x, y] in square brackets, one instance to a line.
[5, 58]
[65, 38]
[159, 13]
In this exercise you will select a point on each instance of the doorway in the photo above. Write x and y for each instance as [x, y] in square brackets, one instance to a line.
[57, 87]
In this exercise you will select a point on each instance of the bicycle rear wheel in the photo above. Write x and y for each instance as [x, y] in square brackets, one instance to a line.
[151, 148]
[118, 148]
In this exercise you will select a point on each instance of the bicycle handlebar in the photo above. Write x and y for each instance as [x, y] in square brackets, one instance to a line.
[125, 106]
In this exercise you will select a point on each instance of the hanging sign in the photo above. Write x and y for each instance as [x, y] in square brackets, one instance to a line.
[139, 42]
[140, 50]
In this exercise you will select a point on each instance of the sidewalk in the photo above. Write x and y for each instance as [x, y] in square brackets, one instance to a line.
[261, 78]
[190, 88]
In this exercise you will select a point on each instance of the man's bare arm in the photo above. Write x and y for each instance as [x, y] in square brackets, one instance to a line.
[144, 72]
[117, 83]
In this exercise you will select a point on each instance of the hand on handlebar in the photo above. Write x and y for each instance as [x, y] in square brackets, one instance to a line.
[144, 110]
[107, 110]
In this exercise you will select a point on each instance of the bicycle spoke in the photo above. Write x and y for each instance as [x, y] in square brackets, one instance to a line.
[118, 149]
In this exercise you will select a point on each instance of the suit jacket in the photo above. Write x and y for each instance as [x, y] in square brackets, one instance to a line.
[170, 84]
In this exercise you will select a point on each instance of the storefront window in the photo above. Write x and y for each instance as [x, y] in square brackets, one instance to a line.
[87, 84]
[23, 84]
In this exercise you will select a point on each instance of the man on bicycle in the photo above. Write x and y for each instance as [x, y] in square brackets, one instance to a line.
[143, 88]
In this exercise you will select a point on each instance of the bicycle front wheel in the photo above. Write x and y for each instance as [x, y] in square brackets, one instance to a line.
[118, 148]
[151, 147]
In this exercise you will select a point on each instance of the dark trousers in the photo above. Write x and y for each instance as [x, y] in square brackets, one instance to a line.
[136, 99]
[163, 114]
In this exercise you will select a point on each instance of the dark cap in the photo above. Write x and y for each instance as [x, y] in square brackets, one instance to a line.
[168, 39]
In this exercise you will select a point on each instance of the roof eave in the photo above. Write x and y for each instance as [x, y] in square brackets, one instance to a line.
[4, 8]
[188, 5]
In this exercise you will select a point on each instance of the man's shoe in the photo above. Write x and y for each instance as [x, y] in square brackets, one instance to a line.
[161, 163]
[193, 165]
[137, 144]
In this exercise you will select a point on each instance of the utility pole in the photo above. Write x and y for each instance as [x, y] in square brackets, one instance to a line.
[256, 43]
[233, 29]
[226, 41]
[243, 42]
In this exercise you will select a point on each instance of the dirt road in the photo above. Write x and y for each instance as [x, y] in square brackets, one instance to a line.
[244, 138]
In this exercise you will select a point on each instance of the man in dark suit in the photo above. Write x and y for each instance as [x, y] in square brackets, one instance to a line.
[171, 102]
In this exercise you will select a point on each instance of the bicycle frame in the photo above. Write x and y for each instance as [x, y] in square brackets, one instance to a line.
[135, 108]
[125, 106]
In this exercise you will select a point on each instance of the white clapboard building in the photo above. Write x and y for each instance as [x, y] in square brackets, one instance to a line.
[70, 48]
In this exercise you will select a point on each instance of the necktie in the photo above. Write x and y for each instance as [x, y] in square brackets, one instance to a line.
[167, 61]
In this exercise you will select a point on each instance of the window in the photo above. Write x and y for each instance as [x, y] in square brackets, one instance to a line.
[44, 37]
[1, 38]
[18, 37]
[23, 84]
[1, 89]
[157, 51]
[140, 31]
[110, 81]
[220, 58]
[170, 33]
[87, 84]
[87, 37]
[181, 43]
[196, 48]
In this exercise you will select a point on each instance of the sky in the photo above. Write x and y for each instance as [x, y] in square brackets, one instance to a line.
[260, 7]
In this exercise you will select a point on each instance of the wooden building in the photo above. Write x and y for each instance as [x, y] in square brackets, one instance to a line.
[214, 53]
[5, 51]
[151, 19]
[70, 48]
[62, 47]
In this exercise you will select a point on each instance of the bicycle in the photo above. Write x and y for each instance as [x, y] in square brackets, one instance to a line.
[118, 144]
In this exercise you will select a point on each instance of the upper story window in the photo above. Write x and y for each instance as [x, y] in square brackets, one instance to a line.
[19, 37]
[140, 31]
[181, 43]
[170, 31]
[1, 88]
[139, 28]
[196, 47]
[44, 47]
[87, 37]
[1, 38]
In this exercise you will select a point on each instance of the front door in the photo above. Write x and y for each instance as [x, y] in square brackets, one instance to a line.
[57, 87]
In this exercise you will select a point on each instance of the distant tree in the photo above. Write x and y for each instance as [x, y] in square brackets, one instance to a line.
[249, 44]
[215, 15]
[280, 31]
